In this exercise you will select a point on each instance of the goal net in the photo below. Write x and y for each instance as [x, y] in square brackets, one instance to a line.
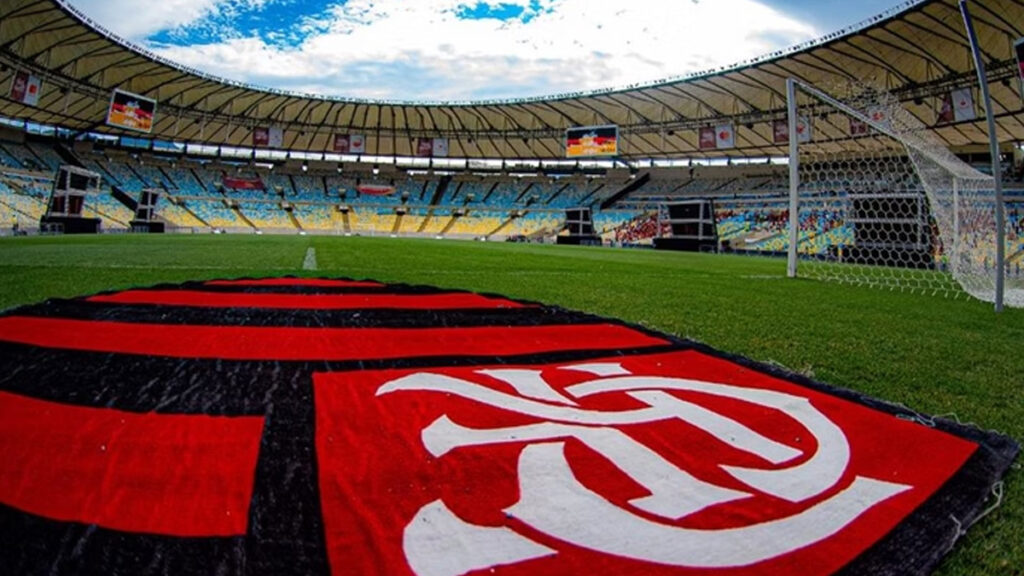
[878, 200]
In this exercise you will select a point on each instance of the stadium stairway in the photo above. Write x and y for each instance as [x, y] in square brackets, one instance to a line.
[398, 224]
[442, 187]
[346, 223]
[67, 155]
[449, 225]
[295, 220]
[426, 221]
[501, 226]
[123, 197]
[192, 213]
[626, 190]
[238, 212]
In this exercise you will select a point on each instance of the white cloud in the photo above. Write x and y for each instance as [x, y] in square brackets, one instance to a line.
[421, 49]
[137, 20]
[134, 21]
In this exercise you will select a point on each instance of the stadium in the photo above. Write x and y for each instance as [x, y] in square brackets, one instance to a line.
[772, 282]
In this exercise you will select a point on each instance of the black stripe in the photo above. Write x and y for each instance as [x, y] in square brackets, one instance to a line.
[202, 386]
[286, 532]
[31, 545]
[292, 318]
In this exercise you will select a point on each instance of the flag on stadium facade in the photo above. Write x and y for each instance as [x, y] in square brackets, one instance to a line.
[25, 88]
[725, 136]
[1018, 51]
[804, 129]
[879, 116]
[357, 144]
[858, 127]
[707, 138]
[341, 143]
[963, 105]
[260, 137]
[440, 147]
[349, 143]
[275, 137]
[780, 130]
[334, 426]
[424, 147]
[946, 114]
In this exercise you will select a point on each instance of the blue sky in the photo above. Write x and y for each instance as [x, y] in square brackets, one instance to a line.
[466, 49]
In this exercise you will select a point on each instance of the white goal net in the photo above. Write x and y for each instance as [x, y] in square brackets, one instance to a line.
[879, 201]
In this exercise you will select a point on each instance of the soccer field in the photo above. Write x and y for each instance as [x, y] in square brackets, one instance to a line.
[937, 356]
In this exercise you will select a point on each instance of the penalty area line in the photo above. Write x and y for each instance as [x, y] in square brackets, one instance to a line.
[309, 262]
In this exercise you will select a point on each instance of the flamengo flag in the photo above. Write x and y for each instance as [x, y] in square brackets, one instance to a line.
[25, 88]
[858, 127]
[275, 137]
[424, 147]
[357, 144]
[780, 131]
[879, 116]
[803, 129]
[725, 136]
[707, 138]
[1018, 51]
[410, 431]
[440, 147]
[963, 105]
[341, 143]
[260, 137]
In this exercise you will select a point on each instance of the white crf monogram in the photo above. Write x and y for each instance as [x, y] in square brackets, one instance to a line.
[552, 500]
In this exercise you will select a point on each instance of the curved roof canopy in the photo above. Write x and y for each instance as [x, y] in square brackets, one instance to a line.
[918, 51]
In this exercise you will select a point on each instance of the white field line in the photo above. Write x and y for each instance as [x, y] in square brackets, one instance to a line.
[309, 263]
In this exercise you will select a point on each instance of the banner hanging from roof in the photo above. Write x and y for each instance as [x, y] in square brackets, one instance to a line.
[131, 111]
[707, 138]
[349, 143]
[858, 127]
[879, 116]
[272, 137]
[431, 147]
[963, 105]
[25, 88]
[260, 137]
[439, 147]
[1018, 51]
[780, 130]
[591, 141]
[424, 147]
[725, 136]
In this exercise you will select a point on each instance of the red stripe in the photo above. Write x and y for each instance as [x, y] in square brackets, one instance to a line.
[321, 282]
[178, 475]
[261, 343]
[304, 301]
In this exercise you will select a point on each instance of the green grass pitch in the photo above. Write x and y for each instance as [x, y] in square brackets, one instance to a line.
[938, 356]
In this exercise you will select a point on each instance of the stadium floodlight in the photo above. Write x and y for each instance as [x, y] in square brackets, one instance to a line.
[877, 200]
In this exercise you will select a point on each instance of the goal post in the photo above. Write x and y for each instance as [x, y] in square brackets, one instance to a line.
[877, 200]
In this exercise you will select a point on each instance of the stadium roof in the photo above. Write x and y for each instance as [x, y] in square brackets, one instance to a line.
[918, 51]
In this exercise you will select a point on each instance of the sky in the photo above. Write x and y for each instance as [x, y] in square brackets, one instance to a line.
[442, 50]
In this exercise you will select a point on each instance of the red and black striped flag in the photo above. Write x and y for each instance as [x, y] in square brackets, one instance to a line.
[324, 426]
